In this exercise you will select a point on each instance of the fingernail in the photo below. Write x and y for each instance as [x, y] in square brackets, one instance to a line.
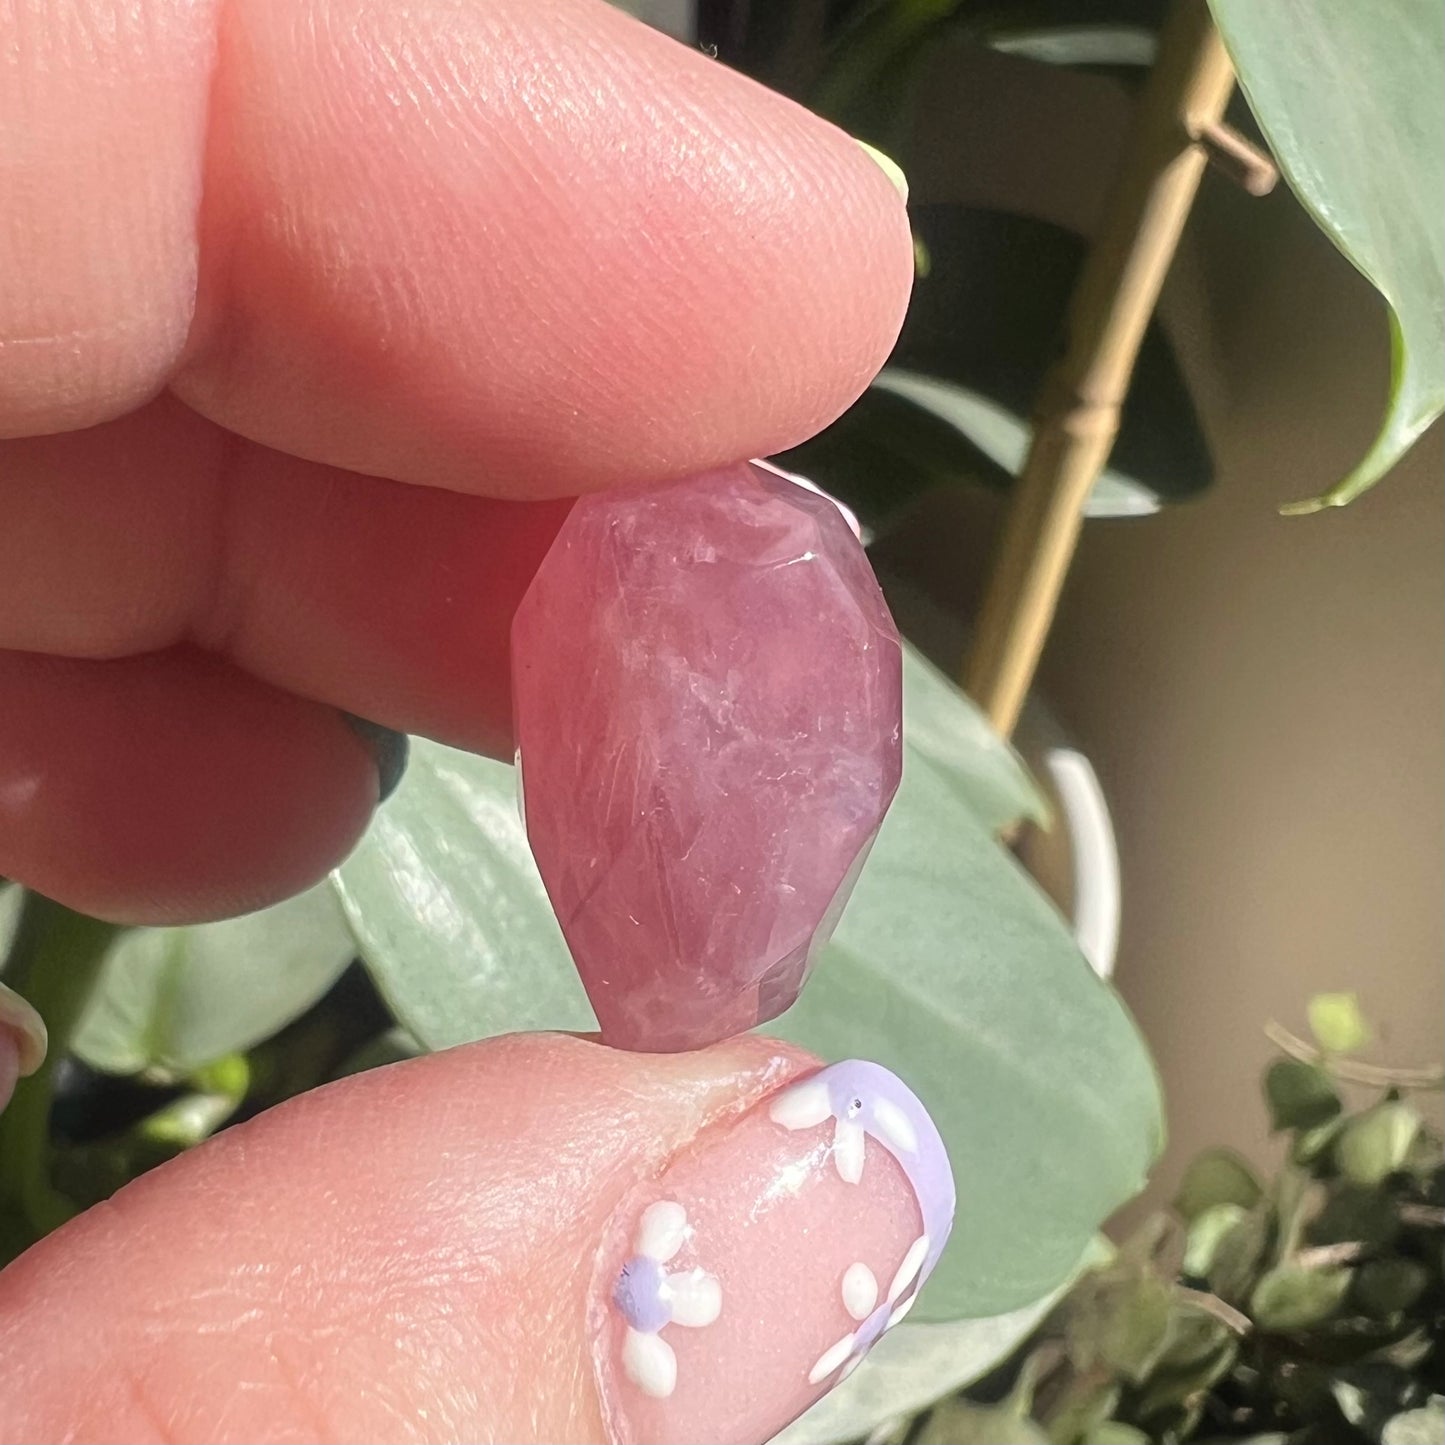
[889, 167]
[390, 749]
[755, 1272]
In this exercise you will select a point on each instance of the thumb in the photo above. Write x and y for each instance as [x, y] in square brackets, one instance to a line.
[530, 1239]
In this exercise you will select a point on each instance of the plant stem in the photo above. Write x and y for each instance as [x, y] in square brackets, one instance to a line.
[53, 962]
[1422, 1216]
[1353, 1071]
[1212, 1305]
[1329, 1256]
[1077, 414]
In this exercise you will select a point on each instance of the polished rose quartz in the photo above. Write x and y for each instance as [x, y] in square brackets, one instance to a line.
[707, 687]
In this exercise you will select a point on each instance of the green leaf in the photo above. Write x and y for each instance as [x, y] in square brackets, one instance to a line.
[1385, 1287]
[1300, 1095]
[1084, 1406]
[1311, 1147]
[1425, 1426]
[449, 911]
[1290, 1298]
[1353, 1213]
[178, 998]
[389, 1048]
[1218, 1176]
[1348, 96]
[1376, 1144]
[961, 1422]
[1116, 1432]
[1235, 1258]
[1337, 1023]
[1136, 1331]
[1207, 1230]
[1201, 1351]
[949, 966]
[914, 1364]
[946, 729]
[12, 895]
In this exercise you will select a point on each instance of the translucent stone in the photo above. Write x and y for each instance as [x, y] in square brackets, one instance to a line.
[707, 687]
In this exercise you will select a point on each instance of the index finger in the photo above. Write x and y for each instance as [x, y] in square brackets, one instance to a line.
[523, 247]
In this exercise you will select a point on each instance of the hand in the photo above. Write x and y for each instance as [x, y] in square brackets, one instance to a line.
[310, 312]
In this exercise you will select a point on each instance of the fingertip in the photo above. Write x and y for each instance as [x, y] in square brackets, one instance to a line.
[407, 1253]
[527, 250]
[171, 787]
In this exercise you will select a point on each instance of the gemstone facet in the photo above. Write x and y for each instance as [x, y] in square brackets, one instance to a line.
[708, 690]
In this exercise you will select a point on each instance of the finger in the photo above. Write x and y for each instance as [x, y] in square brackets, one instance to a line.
[435, 1252]
[103, 113]
[392, 601]
[521, 248]
[171, 786]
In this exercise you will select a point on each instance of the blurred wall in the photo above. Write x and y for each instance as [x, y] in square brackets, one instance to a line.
[1264, 698]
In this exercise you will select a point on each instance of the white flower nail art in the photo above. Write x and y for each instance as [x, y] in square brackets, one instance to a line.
[863, 1100]
[652, 1297]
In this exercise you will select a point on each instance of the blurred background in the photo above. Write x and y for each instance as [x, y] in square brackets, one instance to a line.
[1262, 698]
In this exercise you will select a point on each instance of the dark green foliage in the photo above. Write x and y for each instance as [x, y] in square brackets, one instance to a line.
[1308, 1310]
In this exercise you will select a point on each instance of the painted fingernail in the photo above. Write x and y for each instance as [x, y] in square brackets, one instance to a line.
[760, 1267]
[390, 749]
[889, 167]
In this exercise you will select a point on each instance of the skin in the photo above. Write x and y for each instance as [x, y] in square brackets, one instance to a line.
[312, 314]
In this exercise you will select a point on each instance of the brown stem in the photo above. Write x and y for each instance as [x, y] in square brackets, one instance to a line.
[1329, 1256]
[1379, 1076]
[1238, 158]
[1422, 1216]
[1211, 1304]
[1077, 415]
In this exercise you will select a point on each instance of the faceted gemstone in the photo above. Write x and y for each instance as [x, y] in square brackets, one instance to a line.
[707, 689]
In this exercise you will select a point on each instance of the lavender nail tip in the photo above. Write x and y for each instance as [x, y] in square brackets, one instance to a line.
[865, 1099]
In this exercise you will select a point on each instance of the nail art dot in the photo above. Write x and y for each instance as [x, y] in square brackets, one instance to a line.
[650, 1364]
[900, 1312]
[908, 1270]
[860, 1291]
[893, 1124]
[849, 1143]
[661, 1230]
[696, 1298]
[830, 1360]
[802, 1106]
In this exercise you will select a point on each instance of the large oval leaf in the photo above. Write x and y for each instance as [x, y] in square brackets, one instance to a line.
[177, 998]
[1348, 95]
[449, 911]
[941, 725]
[949, 966]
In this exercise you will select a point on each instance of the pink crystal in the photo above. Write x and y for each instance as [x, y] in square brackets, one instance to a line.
[707, 686]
